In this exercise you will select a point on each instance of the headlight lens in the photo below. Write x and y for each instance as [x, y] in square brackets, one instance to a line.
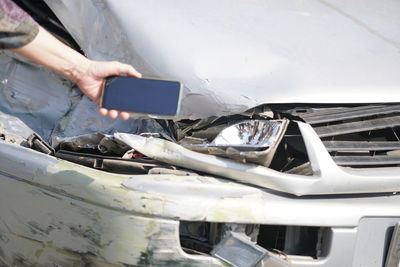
[247, 141]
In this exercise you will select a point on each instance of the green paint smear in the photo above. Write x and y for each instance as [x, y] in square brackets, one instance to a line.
[97, 214]
[38, 253]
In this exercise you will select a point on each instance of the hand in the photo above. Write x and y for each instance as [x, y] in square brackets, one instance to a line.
[88, 74]
[91, 81]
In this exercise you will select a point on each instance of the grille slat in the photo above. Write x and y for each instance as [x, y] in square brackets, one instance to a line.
[323, 117]
[363, 136]
[357, 126]
[367, 160]
[361, 145]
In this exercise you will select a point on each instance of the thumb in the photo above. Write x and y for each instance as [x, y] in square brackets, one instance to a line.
[125, 69]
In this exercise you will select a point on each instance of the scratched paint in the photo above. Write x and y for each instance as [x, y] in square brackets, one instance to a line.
[74, 231]
[76, 214]
[190, 198]
[94, 216]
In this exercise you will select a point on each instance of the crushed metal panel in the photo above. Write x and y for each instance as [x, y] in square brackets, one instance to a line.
[328, 178]
[84, 118]
[225, 63]
[155, 195]
[211, 199]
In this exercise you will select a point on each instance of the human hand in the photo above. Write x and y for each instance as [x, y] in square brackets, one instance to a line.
[91, 79]
[88, 74]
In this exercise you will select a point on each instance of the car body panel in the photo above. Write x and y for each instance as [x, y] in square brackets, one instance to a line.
[232, 57]
[71, 232]
[199, 199]
[88, 216]
[327, 178]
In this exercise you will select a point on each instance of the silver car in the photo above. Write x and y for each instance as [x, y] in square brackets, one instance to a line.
[286, 151]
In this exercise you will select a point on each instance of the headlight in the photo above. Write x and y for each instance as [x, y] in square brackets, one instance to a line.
[246, 141]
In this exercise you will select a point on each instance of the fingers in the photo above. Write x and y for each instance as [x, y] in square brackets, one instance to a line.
[130, 71]
[103, 111]
[105, 69]
[113, 114]
[124, 115]
[117, 68]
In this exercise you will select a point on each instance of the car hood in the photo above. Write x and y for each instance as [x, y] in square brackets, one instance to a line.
[232, 56]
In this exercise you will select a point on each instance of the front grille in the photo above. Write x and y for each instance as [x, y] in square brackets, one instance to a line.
[358, 136]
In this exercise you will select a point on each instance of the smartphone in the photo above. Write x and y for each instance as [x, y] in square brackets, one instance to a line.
[149, 96]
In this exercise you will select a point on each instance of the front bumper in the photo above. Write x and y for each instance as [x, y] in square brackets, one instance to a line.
[60, 212]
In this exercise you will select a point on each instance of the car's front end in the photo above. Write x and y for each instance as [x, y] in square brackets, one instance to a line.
[286, 152]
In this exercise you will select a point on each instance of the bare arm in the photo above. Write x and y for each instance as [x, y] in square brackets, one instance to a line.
[89, 75]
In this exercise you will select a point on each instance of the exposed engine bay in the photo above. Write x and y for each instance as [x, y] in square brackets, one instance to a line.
[356, 136]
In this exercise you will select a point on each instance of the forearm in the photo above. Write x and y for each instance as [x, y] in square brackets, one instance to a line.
[89, 75]
[47, 51]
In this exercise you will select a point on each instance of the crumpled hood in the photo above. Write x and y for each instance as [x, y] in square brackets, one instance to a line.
[234, 55]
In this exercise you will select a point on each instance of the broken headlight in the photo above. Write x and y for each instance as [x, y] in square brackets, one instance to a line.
[247, 141]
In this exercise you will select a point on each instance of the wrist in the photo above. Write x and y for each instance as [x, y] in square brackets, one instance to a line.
[76, 69]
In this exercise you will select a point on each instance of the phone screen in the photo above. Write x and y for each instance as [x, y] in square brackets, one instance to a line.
[150, 96]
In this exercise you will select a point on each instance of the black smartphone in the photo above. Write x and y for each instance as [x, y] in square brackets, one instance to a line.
[150, 96]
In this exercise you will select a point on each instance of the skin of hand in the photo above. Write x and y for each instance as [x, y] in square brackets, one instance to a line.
[88, 74]
[92, 81]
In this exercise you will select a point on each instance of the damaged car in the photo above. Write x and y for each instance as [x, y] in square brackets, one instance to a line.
[286, 151]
